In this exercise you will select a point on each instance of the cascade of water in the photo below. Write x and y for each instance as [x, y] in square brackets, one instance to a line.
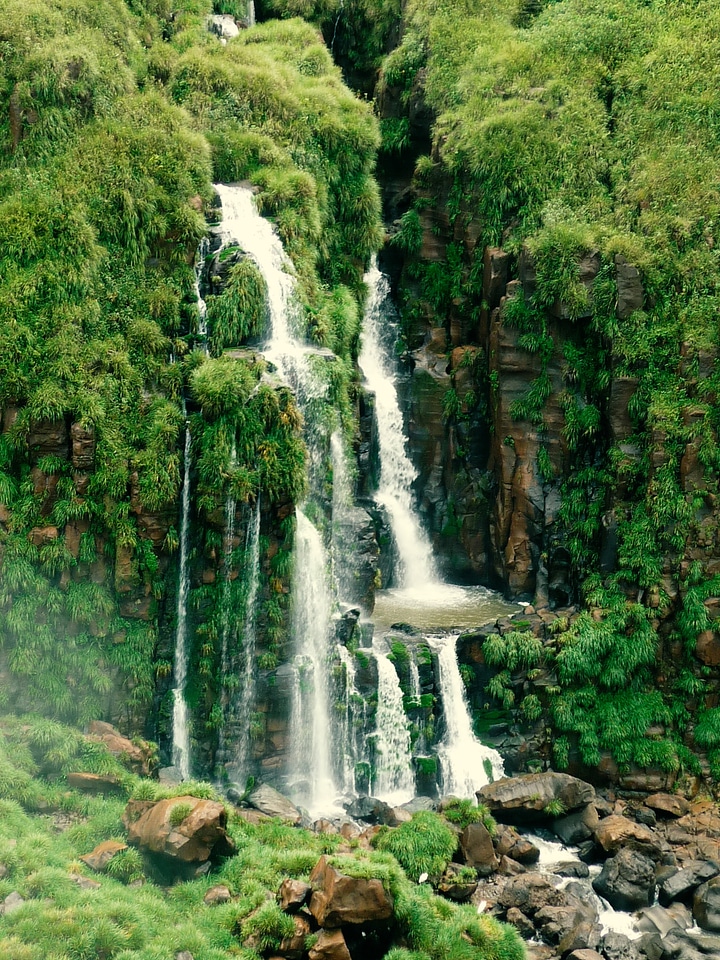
[311, 616]
[180, 729]
[343, 547]
[245, 696]
[200, 258]
[394, 781]
[251, 13]
[225, 618]
[350, 747]
[416, 563]
[464, 761]
[297, 364]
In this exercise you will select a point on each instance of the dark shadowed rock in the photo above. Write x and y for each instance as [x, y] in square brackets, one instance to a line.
[577, 826]
[680, 885]
[370, 809]
[527, 798]
[616, 946]
[530, 892]
[524, 926]
[573, 868]
[627, 880]
[706, 905]
[690, 945]
[338, 899]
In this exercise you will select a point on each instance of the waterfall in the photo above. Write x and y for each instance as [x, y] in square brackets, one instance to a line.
[311, 618]
[394, 781]
[245, 695]
[225, 619]
[343, 546]
[299, 364]
[200, 259]
[464, 761]
[416, 563]
[181, 734]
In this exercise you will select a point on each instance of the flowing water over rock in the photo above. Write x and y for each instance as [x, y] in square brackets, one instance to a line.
[465, 763]
[416, 565]
[301, 366]
[243, 702]
[180, 729]
[394, 781]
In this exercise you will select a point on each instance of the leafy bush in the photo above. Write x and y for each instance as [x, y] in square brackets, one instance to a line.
[422, 845]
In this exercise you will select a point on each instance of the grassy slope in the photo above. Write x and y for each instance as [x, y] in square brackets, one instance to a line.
[62, 921]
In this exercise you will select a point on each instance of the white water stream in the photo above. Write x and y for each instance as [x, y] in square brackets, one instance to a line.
[180, 728]
[394, 780]
[416, 565]
[465, 763]
[299, 365]
[244, 700]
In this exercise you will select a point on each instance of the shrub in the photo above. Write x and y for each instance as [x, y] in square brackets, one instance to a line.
[422, 845]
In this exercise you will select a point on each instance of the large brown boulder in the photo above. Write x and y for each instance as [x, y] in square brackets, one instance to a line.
[535, 796]
[198, 837]
[614, 833]
[530, 892]
[477, 849]
[338, 899]
[706, 905]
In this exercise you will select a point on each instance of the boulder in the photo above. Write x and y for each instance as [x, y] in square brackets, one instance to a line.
[138, 755]
[584, 955]
[198, 837]
[690, 945]
[524, 926]
[338, 899]
[100, 857]
[273, 804]
[577, 826]
[627, 880]
[217, 894]
[293, 947]
[93, 782]
[680, 885]
[667, 804]
[530, 892]
[330, 945]
[532, 797]
[370, 810]
[293, 895]
[616, 832]
[616, 946]
[706, 905]
[477, 849]
[12, 902]
[657, 920]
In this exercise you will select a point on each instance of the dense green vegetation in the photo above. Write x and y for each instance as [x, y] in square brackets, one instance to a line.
[117, 118]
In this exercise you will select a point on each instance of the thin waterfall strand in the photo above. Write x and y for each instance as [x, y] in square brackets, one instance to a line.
[416, 563]
[245, 697]
[463, 759]
[181, 733]
[394, 780]
[311, 617]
